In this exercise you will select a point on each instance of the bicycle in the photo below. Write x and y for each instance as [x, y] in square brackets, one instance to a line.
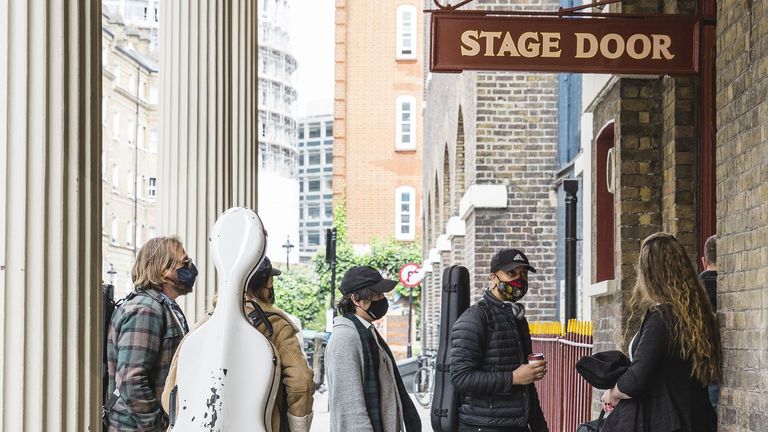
[424, 381]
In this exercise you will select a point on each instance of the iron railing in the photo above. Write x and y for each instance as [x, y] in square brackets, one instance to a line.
[566, 398]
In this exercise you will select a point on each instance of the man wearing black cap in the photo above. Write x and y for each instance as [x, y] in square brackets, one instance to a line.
[490, 344]
[365, 391]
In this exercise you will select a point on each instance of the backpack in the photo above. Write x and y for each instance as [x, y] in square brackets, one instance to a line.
[109, 306]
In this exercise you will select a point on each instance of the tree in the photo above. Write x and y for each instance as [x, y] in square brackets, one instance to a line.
[387, 256]
[298, 293]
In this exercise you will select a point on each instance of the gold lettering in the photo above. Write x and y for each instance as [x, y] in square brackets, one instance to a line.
[661, 45]
[469, 44]
[528, 49]
[582, 39]
[632, 45]
[490, 37]
[550, 44]
[508, 46]
[604, 49]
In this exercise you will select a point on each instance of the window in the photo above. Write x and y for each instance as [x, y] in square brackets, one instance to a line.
[329, 156]
[115, 125]
[313, 185]
[313, 157]
[138, 235]
[313, 211]
[328, 185]
[405, 125]
[152, 193]
[115, 177]
[406, 32]
[328, 210]
[404, 213]
[131, 131]
[140, 139]
[313, 238]
[314, 130]
[329, 130]
[129, 183]
[301, 132]
[128, 233]
[153, 140]
[301, 159]
[115, 227]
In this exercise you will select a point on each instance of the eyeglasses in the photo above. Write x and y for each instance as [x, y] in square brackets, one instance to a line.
[187, 261]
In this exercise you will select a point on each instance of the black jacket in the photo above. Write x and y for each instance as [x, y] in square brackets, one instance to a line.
[709, 278]
[487, 345]
[665, 398]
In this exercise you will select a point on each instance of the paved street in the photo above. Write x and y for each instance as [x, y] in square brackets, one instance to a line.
[322, 421]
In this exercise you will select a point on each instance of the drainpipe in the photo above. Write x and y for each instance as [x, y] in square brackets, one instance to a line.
[571, 186]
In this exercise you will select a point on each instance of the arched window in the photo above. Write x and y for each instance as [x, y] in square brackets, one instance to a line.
[406, 32]
[405, 213]
[406, 126]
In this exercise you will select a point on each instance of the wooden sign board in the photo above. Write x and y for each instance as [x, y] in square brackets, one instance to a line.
[635, 44]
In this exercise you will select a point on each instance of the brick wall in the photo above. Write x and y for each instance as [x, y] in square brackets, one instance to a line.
[742, 212]
[499, 128]
[366, 167]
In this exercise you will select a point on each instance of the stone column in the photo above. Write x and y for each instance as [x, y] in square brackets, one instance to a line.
[209, 118]
[50, 215]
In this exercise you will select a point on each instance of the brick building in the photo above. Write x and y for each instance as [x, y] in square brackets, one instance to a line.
[689, 157]
[490, 159]
[377, 108]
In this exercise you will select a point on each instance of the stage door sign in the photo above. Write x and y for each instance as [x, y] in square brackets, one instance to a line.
[635, 44]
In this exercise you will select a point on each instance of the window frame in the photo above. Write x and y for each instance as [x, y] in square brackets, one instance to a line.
[402, 10]
[400, 145]
[399, 235]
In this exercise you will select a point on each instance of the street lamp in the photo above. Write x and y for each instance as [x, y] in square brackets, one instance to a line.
[288, 246]
[111, 272]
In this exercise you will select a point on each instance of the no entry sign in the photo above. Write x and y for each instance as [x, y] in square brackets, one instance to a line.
[411, 275]
[635, 44]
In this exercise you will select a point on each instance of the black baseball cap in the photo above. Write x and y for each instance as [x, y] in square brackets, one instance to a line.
[508, 259]
[262, 274]
[359, 277]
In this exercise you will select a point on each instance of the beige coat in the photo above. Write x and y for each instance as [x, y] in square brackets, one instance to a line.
[297, 377]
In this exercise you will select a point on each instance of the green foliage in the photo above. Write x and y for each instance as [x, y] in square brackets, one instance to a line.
[306, 295]
[298, 293]
[387, 256]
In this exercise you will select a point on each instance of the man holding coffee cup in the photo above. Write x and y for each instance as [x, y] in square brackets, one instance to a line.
[492, 364]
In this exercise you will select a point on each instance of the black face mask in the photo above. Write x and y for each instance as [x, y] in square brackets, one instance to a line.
[187, 275]
[378, 309]
[514, 290]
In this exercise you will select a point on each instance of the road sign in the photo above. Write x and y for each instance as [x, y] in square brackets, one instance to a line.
[411, 275]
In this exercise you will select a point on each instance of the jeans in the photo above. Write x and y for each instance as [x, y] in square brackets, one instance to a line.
[714, 395]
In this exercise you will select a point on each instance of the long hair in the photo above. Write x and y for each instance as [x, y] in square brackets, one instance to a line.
[156, 257]
[666, 276]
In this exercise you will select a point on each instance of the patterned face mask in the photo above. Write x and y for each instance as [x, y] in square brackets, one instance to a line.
[513, 290]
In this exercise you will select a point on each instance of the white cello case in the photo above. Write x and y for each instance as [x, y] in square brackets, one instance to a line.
[227, 375]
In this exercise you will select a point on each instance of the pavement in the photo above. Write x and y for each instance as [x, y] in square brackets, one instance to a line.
[322, 418]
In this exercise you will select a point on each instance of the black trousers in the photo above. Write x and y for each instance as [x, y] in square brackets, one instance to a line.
[467, 428]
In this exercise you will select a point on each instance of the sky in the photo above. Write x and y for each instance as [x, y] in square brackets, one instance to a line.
[312, 40]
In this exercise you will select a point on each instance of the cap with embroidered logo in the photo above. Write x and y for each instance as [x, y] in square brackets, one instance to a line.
[509, 259]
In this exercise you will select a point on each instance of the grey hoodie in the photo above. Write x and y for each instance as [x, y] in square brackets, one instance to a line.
[344, 369]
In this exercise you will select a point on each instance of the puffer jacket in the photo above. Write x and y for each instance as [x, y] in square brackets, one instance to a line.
[487, 344]
[297, 387]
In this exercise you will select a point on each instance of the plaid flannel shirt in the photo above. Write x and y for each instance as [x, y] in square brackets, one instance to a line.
[142, 338]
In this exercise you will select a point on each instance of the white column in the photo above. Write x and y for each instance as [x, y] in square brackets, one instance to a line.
[50, 215]
[208, 109]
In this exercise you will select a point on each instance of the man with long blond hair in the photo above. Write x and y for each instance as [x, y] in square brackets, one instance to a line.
[675, 349]
[143, 336]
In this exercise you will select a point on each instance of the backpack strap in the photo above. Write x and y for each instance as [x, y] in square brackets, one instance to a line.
[258, 316]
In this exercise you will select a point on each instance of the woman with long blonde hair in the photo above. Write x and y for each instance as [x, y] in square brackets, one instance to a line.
[673, 341]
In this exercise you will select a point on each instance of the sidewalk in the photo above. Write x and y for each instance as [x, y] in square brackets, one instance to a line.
[322, 420]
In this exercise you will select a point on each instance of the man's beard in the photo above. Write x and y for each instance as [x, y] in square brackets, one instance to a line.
[181, 289]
